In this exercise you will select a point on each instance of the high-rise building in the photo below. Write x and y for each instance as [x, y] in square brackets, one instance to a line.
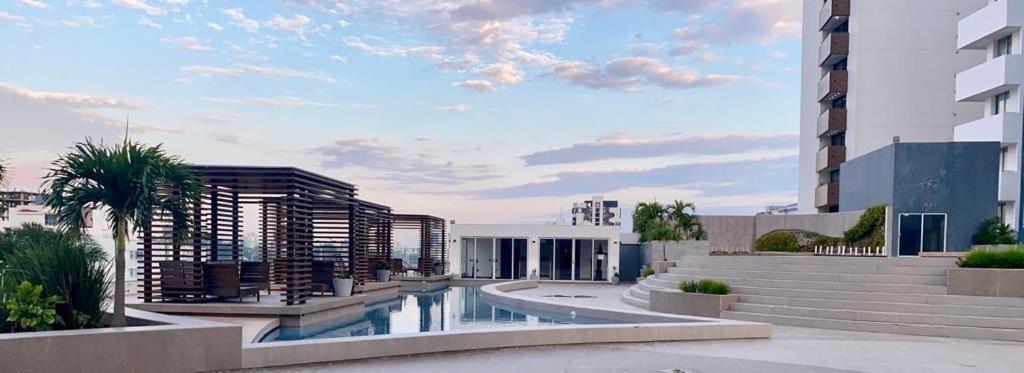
[995, 82]
[876, 72]
[597, 211]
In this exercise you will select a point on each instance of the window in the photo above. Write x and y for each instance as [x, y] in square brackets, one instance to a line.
[49, 219]
[1004, 46]
[1006, 159]
[833, 176]
[1001, 103]
[839, 139]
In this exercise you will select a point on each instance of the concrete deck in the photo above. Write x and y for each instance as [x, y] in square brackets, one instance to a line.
[791, 350]
[605, 295]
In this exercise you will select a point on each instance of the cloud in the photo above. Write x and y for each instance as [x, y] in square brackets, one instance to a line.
[13, 18]
[758, 175]
[477, 85]
[618, 147]
[628, 73]
[238, 18]
[457, 108]
[392, 163]
[35, 4]
[285, 101]
[685, 6]
[296, 24]
[243, 70]
[188, 42]
[140, 5]
[143, 21]
[214, 26]
[748, 21]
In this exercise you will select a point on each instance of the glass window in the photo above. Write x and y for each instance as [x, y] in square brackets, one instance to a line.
[547, 258]
[1000, 104]
[1004, 46]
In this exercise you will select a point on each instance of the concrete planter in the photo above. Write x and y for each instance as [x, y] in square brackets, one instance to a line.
[691, 304]
[662, 267]
[383, 275]
[985, 282]
[342, 287]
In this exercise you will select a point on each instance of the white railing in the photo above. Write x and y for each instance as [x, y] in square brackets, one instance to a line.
[732, 250]
[850, 251]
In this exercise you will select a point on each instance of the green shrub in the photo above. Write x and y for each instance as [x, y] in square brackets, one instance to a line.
[1008, 259]
[29, 311]
[823, 240]
[868, 232]
[71, 266]
[778, 241]
[705, 286]
[648, 271]
[993, 232]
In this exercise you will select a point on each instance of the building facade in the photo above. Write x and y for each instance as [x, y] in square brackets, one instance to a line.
[597, 211]
[551, 252]
[791, 208]
[995, 82]
[873, 72]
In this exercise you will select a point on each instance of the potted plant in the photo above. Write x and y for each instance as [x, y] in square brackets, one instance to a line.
[533, 274]
[438, 267]
[383, 271]
[615, 275]
[343, 284]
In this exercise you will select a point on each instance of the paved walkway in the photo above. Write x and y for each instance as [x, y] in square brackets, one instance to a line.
[605, 296]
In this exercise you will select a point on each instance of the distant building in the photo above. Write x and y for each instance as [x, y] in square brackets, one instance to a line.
[13, 199]
[780, 209]
[597, 212]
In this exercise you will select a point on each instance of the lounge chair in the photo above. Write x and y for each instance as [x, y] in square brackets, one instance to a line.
[256, 274]
[180, 280]
[223, 280]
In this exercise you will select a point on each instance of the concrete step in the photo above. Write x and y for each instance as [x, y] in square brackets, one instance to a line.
[912, 308]
[815, 268]
[637, 292]
[882, 327]
[862, 296]
[634, 301]
[655, 282]
[814, 285]
[823, 260]
[813, 276]
[885, 317]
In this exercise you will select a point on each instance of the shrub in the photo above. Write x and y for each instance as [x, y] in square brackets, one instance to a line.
[71, 266]
[993, 232]
[1008, 259]
[822, 240]
[705, 286]
[868, 230]
[778, 241]
[382, 265]
[28, 310]
[647, 272]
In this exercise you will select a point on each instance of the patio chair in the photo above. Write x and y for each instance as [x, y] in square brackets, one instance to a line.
[323, 276]
[256, 274]
[180, 280]
[223, 280]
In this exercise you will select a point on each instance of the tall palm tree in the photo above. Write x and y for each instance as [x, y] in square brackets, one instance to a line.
[684, 217]
[132, 182]
[663, 231]
[645, 215]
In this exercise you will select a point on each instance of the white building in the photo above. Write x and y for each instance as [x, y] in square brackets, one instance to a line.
[791, 208]
[36, 213]
[597, 211]
[873, 71]
[995, 82]
[584, 253]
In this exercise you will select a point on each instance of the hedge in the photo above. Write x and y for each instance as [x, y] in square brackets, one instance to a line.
[1008, 259]
[778, 241]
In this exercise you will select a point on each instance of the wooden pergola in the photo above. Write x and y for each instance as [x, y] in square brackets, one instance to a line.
[302, 217]
[432, 237]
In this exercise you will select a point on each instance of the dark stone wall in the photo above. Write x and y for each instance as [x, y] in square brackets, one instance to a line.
[960, 179]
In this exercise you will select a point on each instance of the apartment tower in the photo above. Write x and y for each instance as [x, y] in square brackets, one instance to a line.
[995, 83]
[597, 211]
[877, 72]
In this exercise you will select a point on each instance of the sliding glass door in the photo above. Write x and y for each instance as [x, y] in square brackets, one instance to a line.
[547, 259]
[582, 259]
[493, 258]
[584, 252]
[921, 233]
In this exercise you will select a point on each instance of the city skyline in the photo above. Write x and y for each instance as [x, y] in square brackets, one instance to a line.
[482, 111]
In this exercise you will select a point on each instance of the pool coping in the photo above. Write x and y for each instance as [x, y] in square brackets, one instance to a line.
[284, 353]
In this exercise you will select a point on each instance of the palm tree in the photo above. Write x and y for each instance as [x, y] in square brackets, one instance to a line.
[132, 182]
[684, 217]
[663, 231]
[645, 215]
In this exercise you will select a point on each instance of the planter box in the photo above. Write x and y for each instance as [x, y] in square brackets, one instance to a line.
[985, 282]
[662, 267]
[690, 304]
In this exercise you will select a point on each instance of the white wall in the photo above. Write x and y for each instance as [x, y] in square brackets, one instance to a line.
[533, 234]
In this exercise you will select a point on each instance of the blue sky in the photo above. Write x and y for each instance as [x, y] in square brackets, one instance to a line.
[476, 110]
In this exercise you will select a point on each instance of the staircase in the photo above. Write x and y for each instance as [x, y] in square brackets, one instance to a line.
[884, 295]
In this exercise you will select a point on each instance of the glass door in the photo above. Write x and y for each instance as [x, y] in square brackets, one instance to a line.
[485, 258]
[468, 261]
[519, 269]
[584, 266]
[921, 233]
[601, 260]
[505, 257]
[547, 259]
[563, 259]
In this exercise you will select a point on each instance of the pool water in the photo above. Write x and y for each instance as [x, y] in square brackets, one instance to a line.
[452, 308]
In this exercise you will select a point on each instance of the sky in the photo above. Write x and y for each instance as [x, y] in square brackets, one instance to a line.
[479, 111]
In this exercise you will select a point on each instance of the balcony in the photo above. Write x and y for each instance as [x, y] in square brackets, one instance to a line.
[830, 157]
[1004, 128]
[990, 78]
[826, 195]
[833, 85]
[835, 48]
[998, 19]
[1009, 186]
[832, 121]
[833, 14]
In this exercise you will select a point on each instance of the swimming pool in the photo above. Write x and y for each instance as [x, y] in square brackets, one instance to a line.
[452, 308]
